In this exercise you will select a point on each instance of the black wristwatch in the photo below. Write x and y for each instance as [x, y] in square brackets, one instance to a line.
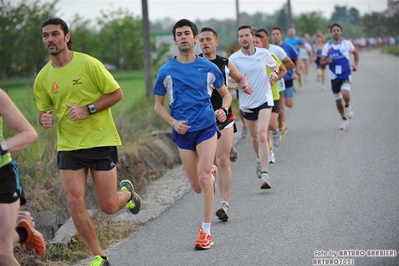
[92, 108]
[3, 147]
[226, 110]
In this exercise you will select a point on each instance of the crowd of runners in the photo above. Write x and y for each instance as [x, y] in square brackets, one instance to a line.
[265, 72]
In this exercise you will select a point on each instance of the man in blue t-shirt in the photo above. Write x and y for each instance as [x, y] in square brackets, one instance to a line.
[293, 39]
[288, 96]
[189, 80]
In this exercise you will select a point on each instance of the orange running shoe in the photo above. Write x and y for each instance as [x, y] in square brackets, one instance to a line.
[204, 241]
[34, 240]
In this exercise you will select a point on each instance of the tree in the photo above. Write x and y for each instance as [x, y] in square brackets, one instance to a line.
[21, 48]
[309, 22]
[339, 14]
[282, 18]
[378, 25]
[354, 16]
[83, 36]
[119, 40]
[147, 49]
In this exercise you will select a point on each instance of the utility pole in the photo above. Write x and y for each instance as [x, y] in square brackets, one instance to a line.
[289, 14]
[147, 50]
[237, 14]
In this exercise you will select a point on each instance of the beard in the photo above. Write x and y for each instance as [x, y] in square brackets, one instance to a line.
[245, 46]
[53, 51]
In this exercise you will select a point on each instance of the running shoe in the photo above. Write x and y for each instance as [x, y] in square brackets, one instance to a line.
[233, 154]
[265, 181]
[348, 112]
[323, 87]
[344, 124]
[134, 204]
[244, 132]
[27, 215]
[99, 261]
[34, 239]
[258, 169]
[204, 241]
[276, 137]
[272, 158]
[299, 82]
[223, 212]
[214, 171]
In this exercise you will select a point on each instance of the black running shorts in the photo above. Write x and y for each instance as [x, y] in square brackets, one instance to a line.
[10, 184]
[99, 158]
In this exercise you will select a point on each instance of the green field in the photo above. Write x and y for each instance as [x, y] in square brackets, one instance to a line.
[21, 92]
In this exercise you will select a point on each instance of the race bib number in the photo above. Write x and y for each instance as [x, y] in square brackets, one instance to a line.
[338, 69]
[281, 85]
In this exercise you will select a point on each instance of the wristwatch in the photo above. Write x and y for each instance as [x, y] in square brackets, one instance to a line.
[3, 147]
[226, 110]
[92, 108]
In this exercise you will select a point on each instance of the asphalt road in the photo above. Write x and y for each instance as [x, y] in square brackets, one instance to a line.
[331, 190]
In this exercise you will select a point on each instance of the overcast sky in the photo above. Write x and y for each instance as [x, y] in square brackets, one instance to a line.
[206, 9]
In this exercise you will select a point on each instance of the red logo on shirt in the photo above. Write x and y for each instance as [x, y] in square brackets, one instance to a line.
[55, 87]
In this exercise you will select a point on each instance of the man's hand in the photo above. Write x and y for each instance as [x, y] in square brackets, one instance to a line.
[247, 89]
[220, 115]
[181, 127]
[273, 76]
[46, 119]
[77, 112]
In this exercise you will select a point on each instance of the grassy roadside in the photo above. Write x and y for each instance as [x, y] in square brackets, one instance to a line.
[394, 50]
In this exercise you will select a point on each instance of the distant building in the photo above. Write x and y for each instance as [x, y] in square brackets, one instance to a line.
[393, 8]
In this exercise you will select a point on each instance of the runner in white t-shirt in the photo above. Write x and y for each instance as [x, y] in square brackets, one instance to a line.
[256, 108]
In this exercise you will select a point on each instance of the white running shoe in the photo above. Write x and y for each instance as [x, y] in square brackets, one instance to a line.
[348, 112]
[223, 212]
[265, 181]
[233, 154]
[344, 124]
[272, 158]
[276, 137]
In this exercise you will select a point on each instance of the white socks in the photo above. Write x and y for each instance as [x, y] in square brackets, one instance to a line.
[206, 227]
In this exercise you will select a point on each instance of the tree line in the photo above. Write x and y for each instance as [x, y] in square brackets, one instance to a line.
[115, 36]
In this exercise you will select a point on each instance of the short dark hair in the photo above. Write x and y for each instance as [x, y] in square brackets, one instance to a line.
[64, 27]
[262, 30]
[204, 29]
[185, 22]
[278, 28]
[335, 25]
[246, 27]
[258, 35]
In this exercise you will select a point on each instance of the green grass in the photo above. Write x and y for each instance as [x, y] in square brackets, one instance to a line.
[132, 84]
[394, 50]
